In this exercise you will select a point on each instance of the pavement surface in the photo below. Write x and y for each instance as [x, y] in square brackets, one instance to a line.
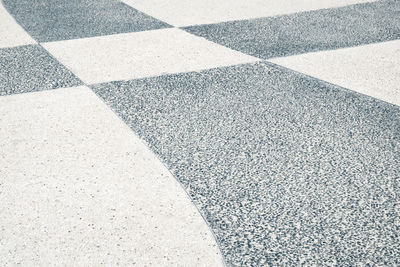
[200, 133]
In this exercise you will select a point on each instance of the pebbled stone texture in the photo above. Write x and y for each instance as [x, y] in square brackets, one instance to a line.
[30, 68]
[286, 169]
[53, 20]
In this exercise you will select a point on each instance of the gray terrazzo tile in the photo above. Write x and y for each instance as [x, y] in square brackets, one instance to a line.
[308, 31]
[61, 19]
[30, 68]
[286, 169]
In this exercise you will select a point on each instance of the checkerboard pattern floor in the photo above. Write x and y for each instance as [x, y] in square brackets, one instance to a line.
[200, 133]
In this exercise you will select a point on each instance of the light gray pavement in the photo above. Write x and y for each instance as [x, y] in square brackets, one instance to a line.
[372, 69]
[142, 54]
[260, 133]
[79, 188]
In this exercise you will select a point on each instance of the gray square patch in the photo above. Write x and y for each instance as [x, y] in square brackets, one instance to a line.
[55, 20]
[30, 68]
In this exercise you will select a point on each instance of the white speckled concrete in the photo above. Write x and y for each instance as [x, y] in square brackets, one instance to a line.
[11, 34]
[193, 12]
[141, 54]
[78, 188]
[372, 69]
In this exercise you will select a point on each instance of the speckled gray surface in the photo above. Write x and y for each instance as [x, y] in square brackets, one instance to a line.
[31, 68]
[56, 20]
[308, 31]
[286, 169]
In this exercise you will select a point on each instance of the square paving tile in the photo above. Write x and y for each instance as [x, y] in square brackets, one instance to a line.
[30, 68]
[61, 19]
[142, 54]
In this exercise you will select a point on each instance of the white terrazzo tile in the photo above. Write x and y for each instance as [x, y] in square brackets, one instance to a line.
[372, 69]
[78, 188]
[11, 33]
[142, 54]
[194, 12]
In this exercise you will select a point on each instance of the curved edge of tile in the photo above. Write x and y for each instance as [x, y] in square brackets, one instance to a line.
[11, 33]
[79, 187]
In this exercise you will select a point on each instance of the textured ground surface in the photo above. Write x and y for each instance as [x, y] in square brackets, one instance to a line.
[257, 133]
